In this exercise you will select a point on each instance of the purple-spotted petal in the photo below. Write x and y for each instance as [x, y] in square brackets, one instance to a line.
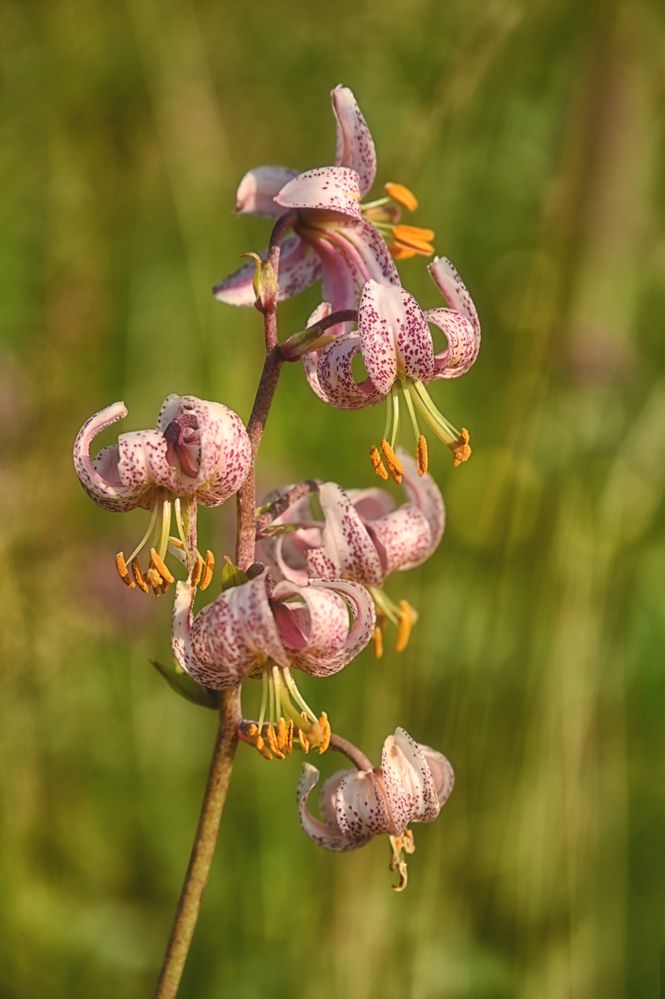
[299, 268]
[191, 651]
[410, 789]
[360, 807]
[362, 611]
[393, 335]
[335, 381]
[372, 503]
[101, 478]
[424, 493]
[355, 147]
[329, 189]
[450, 284]
[325, 834]
[313, 627]
[257, 190]
[366, 250]
[345, 538]
[463, 343]
[443, 774]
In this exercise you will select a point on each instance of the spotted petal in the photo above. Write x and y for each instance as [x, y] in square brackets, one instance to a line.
[360, 807]
[335, 381]
[393, 336]
[326, 834]
[406, 537]
[447, 279]
[257, 190]
[366, 250]
[329, 189]
[299, 268]
[355, 147]
[409, 783]
[345, 538]
[101, 478]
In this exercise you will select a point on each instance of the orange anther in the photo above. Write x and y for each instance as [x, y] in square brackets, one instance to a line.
[123, 571]
[326, 732]
[395, 466]
[378, 642]
[208, 570]
[377, 462]
[160, 566]
[303, 740]
[422, 460]
[407, 619]
[138, 576]
[461, 448]
[197, 571]
[402, 195]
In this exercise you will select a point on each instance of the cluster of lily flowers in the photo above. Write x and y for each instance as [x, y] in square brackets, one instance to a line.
[316, 597]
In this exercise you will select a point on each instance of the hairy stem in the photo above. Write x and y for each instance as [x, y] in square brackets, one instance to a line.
[230, 714]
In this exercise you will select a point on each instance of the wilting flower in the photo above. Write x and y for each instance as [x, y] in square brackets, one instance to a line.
[395, 344]
[199, 453]
[262, 631]
[411, 785]
[334, 234]
[363, 536]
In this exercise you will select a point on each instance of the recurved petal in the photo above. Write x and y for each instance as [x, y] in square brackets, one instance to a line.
[372, 503]
[393, 336]
[424, 494]
[101, 478]
[362, 614]
[345, 539]
[330, 189]
[360, 807]
[226, 452]
[313, 623]
[299, 268]
[442, 773]
[335, 381]
[142, 459]
[402, 538]
[325, 834]
[450, 284]
[257, 190]
[463, 343]
[190, 649]
[355, 147]
[409, 783]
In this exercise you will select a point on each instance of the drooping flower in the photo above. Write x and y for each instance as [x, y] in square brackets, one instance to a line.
[260, 630]
[335, 236]
[199, 453]
[395, 344]
[363, 535]
[411, 785]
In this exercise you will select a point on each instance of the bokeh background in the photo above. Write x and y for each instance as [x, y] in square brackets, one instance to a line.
[532, 133]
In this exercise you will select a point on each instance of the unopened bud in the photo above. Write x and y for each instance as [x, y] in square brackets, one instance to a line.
[265, 283]
[302, 342]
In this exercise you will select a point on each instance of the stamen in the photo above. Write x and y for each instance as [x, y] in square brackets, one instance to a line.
[138, 576]
[395, 466]
[422, 459]
[378, 642]
[197, 571]
[401, 252]
[123, 571]
[461, 449]
[271, 739]
[285, 736]
[256, 739]
[408, 233]
[326, 733]
[154, 580]
[402, 195]
[303, 740]
[401, 844]
[377, 463]
[161, 566]
[407, 619]
[209, 569]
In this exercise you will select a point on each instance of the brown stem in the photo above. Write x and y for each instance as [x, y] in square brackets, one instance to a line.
[352, 752]
[230, 714]
[204, 846]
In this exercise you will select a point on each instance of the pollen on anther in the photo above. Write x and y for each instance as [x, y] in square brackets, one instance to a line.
[327, 732]
[377, 463]
[123, 571]
[402, 195]
[407, 619]
[395, 466]
[378, 642]
[197, 571]
[208, 570]
[461, 449]
[422, 460]
[161, 566]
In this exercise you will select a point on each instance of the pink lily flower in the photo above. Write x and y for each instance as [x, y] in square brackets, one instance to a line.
[260, 630]
[363, 536]
[199, 453]
[411, 785]
[335, 236]
[396, 347]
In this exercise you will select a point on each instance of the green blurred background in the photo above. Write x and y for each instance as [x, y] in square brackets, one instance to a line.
[531, 132]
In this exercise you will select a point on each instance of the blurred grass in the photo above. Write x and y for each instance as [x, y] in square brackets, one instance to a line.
[532, 133]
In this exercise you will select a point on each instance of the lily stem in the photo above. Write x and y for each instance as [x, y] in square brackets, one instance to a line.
[230, 713]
